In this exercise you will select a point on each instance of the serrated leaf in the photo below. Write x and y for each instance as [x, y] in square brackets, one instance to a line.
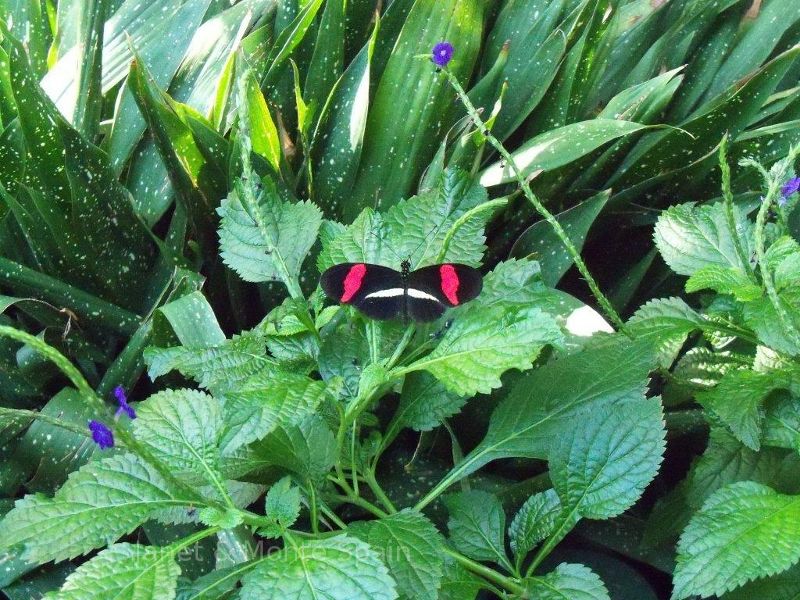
[477, 525]
[282, 504]
[543, 406]
[784, 586]
[724, 280]
[182, 428]
[603, 467]
[667, 322]
[760, 315]
[308, 448]
[483, 343]
[458, 583]
[692, 237]
[534, 521]
[338, 568]
[744, 531]
[99, 503]
[217, 368]
[269, 399]
[268, 239]
[413, 549]
[124, 572]
[425, 402]
[568, 582]
[737, 401]
[417, 227]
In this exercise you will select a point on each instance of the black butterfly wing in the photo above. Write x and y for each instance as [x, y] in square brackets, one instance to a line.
[433, 289]
[376, 291]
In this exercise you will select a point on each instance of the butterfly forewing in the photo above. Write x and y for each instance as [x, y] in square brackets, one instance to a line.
[452, 284]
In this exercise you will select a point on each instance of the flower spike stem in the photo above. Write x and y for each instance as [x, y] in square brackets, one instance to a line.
[604, 303]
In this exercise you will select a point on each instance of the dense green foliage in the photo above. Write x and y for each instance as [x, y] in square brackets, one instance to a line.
[176, 174]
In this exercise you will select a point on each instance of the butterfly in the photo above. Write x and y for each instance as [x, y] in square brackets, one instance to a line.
[383, 293]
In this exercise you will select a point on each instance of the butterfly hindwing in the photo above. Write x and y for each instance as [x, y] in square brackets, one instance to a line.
[375, 290]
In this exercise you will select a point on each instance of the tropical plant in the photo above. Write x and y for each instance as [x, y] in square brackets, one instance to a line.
[172, 172]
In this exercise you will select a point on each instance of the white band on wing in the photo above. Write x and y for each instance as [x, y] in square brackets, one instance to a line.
[394, 292]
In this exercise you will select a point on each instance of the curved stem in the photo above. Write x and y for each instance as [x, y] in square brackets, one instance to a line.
[727, 195]
[486, 206]
[489, 574]
[540, 208]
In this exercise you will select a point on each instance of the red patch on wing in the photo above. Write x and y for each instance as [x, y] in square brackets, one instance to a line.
[450, 283]
[352, 282]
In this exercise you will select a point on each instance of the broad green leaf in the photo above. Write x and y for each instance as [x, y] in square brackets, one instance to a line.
[124, 571]
[737, 401]
[99, 503]
[268, 238]
[541, 241]
[362, 241]
[182, 428]
[417, 227]
[412, 96]
[724, 280]
[692, 237]
[283, 502]
[483, 343]
[343, 354]
[544, 405]
[458, 583]
[534, 521]
[744, 531]
[783, 586]
[568, 582]
[760, 315]
[424, 403]
[412, 548]
[666, 322]
[217, 368]
[193, 321]
[269, 399]
[558, 147]
[782, 422]
[339, 568]
[477, 525]
[602, 467]
[307, 449]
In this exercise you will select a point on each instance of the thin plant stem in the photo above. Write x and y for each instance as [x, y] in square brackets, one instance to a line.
[369, 477]
[727, 195]
[540, 208]
[489, 574]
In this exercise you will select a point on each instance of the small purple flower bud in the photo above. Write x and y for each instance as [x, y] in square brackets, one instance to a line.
[790, 187]
[122, 400]
[101, 435]
[442, 54]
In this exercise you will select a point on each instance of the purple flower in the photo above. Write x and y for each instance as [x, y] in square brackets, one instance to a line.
[101, 435]
[122, 400]
[790, 187]
[442, 54]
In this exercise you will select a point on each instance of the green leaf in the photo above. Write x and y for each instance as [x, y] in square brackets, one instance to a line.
[458, 583]
[743, 532]
[692, 237]
[182, 428]
[268, 239]
[568, 582]
[339, 568]
[483, 343]
[124, 571]
[558, 147]
[413, 549]
[666, 322]
[282, 507]
[263, 133]
[783, 586]
[417, 227]
[760, 315]
[535, 521]
[544, 405]
[424, 403]
[737, 401]
[307, 449]
[602, 467]
[477, 525]
[541, 241]
[98, 504]
[412, 96]
[724, 280]
[193, 321]
[269, 399]
[218, 368]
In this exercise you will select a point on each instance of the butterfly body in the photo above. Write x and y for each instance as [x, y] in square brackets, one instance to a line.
[383, 293]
